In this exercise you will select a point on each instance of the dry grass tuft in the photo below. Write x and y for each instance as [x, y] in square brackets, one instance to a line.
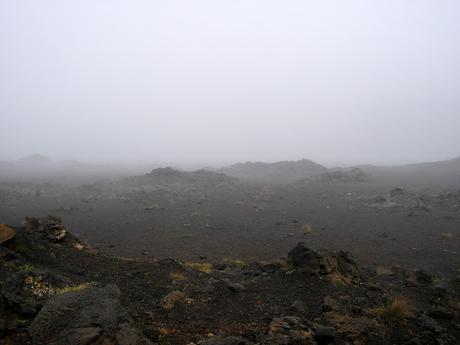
[200, 266]
[307, 229]
[170, 300]
[277, 263]
[384, 271]
[235, 262]
[78, 287]
[177, 276]
[447, 235]
[28, 268]
[339, 279]
[166, 331]
[78, 246]
[396, 311]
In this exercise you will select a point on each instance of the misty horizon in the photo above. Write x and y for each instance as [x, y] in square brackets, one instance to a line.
[207, 83]
[41, 159]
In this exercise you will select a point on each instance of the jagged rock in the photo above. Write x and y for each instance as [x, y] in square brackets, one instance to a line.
[299, 306]
[324, 334]
[419, 277]
[308, 260]
[355, 329]
[151, 332]
[330, 304]
[51, 227]
[440, 313]
[234, 287]
[6, 233]
[83, 317]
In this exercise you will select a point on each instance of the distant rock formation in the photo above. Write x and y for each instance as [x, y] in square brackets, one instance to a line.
[279, 172]
[340, 176]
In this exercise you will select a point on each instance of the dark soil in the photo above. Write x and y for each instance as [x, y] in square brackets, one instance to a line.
[234, 298]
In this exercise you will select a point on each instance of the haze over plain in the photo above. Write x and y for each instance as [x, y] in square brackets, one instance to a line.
[219, 82]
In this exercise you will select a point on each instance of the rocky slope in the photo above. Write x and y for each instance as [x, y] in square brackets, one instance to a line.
[54, 289]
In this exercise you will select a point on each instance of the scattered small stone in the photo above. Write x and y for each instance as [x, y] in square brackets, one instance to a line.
[299, 306]
[441, 313]
[151, 332]
[234, 287]
[330, 304]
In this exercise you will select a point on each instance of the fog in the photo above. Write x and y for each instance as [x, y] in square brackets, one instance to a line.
[225, 81]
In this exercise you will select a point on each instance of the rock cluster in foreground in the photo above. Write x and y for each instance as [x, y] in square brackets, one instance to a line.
[56, 290]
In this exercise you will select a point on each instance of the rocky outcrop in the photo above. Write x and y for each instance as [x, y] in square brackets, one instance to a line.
[50, 227]
[90, 316]
[316, 298]
[305, 259]
[278, 172]
[340, 176]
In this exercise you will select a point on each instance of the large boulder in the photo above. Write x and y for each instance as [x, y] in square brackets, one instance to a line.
[50, 228]
[88, 316]
[305, 259]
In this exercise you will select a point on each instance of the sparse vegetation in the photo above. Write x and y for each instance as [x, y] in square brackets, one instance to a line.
[176, 276]
[307, 229]
[203, 267]
[447, 235]
[337, 278]
[235, 262]
[78, 287]
[78, 246]
[170, 300]
[28, 268]
[397, 310]
[384, 271]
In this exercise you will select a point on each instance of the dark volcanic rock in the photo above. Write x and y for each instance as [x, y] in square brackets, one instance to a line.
[299, 306]
[51, 228]
[82, 317]
[324, 334]
[308, 260]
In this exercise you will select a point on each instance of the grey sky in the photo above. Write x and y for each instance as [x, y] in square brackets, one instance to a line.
[221, 81]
